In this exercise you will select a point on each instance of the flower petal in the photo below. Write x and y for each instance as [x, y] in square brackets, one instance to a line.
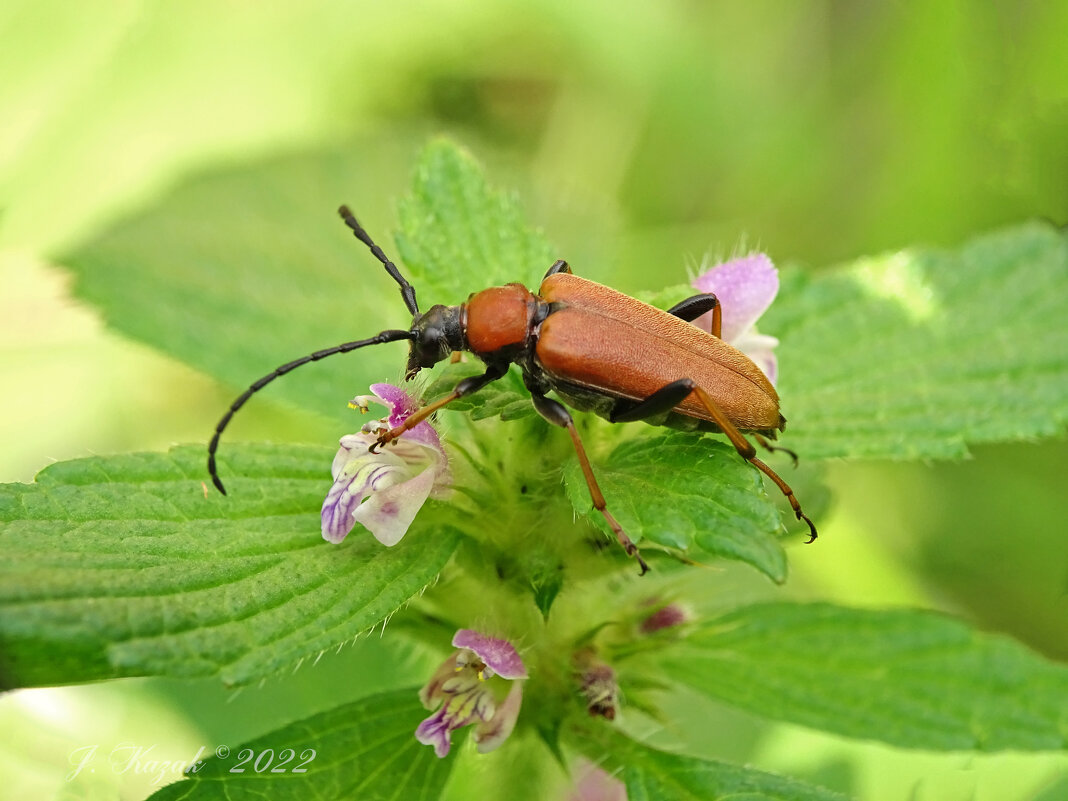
[435, 731]
[745, 288]
[401, 404]
[431, 695]
[498, 655]
[593, 784]
[352, 481]
[401, 407]
[759, 348]
[349, 446]
[388, 513]
[489, 734]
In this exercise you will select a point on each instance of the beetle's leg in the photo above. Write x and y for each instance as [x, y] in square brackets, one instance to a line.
[664, 400]
[465, 387]
[748, 452]
[692, 308]
[660, 402]
[558, 415]
[559, 266]
[772, 448]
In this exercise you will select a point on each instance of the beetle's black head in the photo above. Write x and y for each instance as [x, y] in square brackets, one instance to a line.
[435, 334]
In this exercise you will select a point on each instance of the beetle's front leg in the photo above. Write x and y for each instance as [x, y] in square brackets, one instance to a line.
[465, 387]
[558, 415]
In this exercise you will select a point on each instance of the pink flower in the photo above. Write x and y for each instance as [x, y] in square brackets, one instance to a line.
[384, 491]
[745, 288]
[472, 687]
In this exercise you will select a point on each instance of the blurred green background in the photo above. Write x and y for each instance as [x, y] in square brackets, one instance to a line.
[640, 137]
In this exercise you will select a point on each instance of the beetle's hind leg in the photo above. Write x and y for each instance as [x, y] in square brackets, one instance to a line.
[748, 452]
[558, 415]
[671, 395]
[660, 402]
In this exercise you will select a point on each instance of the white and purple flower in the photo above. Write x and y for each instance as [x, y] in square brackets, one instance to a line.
[479, 684]
[384, 491]
[745, 287]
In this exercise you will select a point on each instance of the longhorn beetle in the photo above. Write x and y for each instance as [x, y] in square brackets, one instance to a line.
[598, 349]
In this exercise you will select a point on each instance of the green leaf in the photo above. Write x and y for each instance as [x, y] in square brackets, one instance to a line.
[238, 271]
[546, 585]
[905, 677]
[458, 232]
[130, 566]
[365, 750]
[1054, 792]
[919, 353]
[652, 775]
[688, 493]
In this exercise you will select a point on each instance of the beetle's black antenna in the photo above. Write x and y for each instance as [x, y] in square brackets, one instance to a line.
[407, 290]
[385, 336]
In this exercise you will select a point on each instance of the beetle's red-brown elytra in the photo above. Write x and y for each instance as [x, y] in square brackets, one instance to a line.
[610, 342]
[498, 318]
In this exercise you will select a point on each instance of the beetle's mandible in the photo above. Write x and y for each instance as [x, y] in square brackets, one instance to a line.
[597, 349]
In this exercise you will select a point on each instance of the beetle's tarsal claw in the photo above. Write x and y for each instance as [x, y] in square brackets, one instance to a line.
[811, 527]
[383, 439]
[632, 550]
